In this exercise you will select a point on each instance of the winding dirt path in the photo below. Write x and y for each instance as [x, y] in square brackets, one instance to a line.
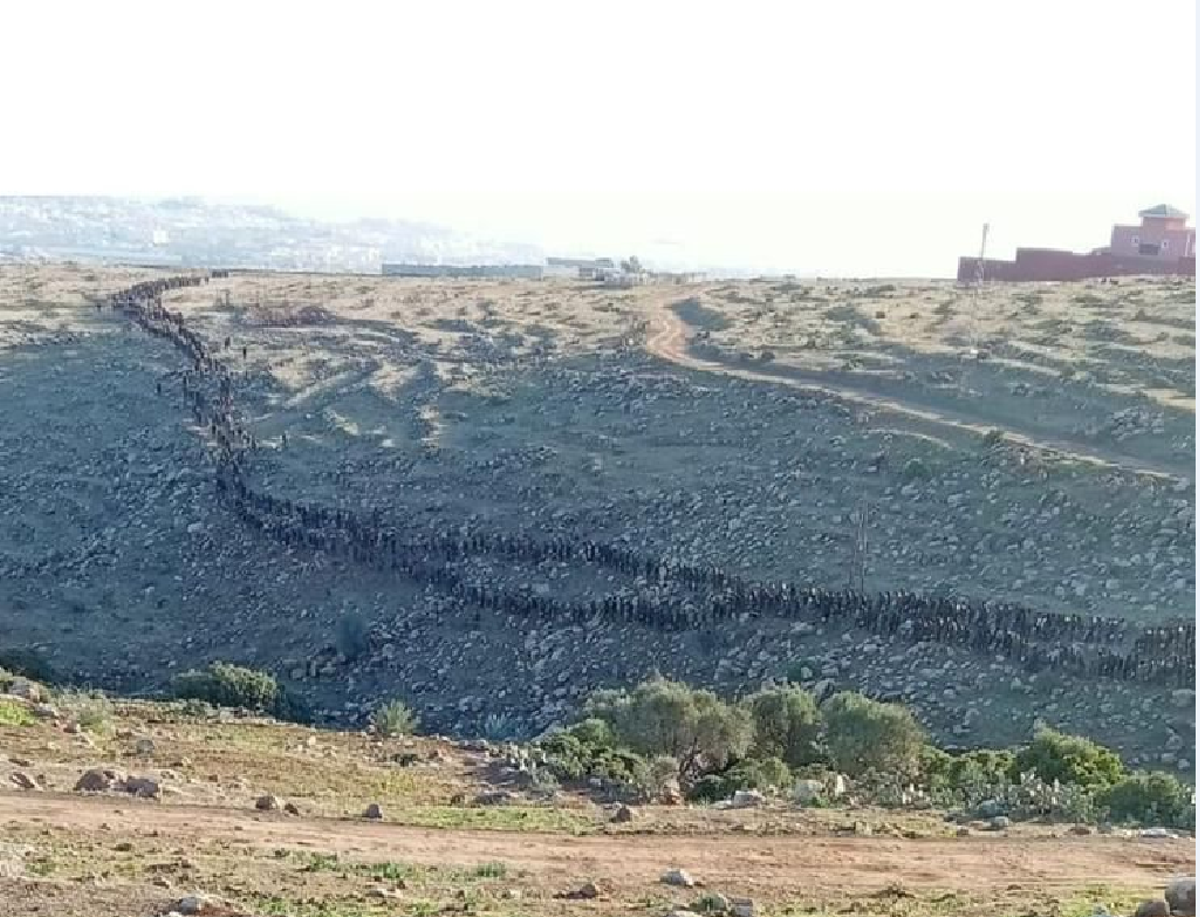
[771, 866]
[668, 340]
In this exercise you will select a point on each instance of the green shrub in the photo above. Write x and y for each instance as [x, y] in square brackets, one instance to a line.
[1054, 755]
[787, 725]
[394, 719]
[769, 775]
[1156, 798]
[13, 713]
[91, 710]
[587, 751]
[351, 638]
[227, 685]
[662, 717]
[864, 735]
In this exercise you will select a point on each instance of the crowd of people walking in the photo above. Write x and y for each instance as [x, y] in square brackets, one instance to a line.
[1086, 645]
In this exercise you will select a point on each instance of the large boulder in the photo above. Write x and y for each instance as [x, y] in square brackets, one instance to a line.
[373, 811]
[98, 780]
[1153, 908]
[747, 799]
[268, 803]
[1181, 896]
[680, 877]
[808, 791]
[142, 787]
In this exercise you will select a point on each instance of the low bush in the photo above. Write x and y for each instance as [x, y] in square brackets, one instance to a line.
[394, 719]
[226, 685]
[1054, 755]
[1155, 798]
[769, 775]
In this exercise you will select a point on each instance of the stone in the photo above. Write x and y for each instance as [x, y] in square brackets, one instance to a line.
[23, 781]
[373, 811]
[622, 815]
[291, 808]
[741, 907]
[808, 791]
[195, 528]
[144, 747]
[29, 690]
[142, 787]
[747, 799]
[268, 803]
[678, 877]
[962, 831]
[97, 780]
[999, 823]
[1181, 896]
[194, 904]
[1154, 907]
[495, 798]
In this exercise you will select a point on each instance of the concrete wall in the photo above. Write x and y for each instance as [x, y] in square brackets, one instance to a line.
[1039, 264]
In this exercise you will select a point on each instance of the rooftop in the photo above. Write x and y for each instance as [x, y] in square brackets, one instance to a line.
[1164, 211]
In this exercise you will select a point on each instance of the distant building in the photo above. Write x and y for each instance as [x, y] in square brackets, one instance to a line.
[583, 268]
[1162, 244]
[1163, 235]
[478, 271]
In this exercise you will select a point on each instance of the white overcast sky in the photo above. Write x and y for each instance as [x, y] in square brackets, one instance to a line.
[838, 137]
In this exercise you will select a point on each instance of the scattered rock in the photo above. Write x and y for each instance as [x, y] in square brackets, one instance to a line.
[144, 747]
[373, 811]
[23, 781]
[1181, 896]
[1153, 908]
[97, 780]
[999, 823]
[586, 892]
[29, 690]
[808, 791]
[622, 815]
[195, 904]
[142, 787]
[383, 894]
[747, 799]
[495, 798]
[742, 907]
[678, 877]
[291, 808]
[268, 803]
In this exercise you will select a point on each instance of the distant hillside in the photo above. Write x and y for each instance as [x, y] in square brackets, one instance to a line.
[190, 231]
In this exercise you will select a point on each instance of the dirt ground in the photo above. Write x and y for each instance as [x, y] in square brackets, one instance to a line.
[101, 854]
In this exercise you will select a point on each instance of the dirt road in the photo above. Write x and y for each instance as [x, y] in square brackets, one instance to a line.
[668, 339]
[771, 867]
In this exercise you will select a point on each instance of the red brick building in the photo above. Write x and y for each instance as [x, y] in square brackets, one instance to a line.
[1162, 244]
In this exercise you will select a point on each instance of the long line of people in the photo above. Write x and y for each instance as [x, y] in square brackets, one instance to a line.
[1078, 644]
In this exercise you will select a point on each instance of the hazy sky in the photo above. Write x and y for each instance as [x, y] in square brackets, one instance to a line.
[842, 137]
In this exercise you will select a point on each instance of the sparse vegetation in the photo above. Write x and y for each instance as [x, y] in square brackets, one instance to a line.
[394, 718]
[226, 685]
[13, 713]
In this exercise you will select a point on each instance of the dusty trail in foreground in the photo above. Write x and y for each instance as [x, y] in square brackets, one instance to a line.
[668, 340]
[769, 866]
